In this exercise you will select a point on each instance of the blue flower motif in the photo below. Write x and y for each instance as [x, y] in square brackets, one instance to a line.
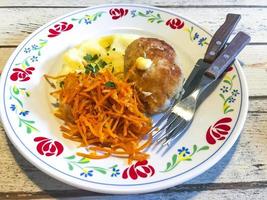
[13, 107]
[34, 58]
[201, 41]
[24, 113]
[231, 100]
[148, 12]
[224, 89]
[235, 92]
[196, 36]
[27, 50]
[184, 151]
[86, 173]
[115, 172]
[35, 47]
[133, 13]
[87, 21]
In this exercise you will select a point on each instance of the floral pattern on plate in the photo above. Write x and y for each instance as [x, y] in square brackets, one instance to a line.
[49, 148]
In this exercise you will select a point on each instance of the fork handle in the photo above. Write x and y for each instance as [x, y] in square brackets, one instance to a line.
[228, 55]
[220, 37]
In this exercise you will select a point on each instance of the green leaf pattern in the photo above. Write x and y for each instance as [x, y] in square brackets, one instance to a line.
[18, 107]
[82, 164]
[25, 63]
[88, 19]
[195, 36]
[228, 93]
[183, 155]
[35, 52]
[149, 14]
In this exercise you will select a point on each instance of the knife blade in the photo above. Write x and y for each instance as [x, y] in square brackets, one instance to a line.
[214, 49]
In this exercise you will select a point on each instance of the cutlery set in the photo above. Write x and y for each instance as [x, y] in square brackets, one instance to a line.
[206, 73]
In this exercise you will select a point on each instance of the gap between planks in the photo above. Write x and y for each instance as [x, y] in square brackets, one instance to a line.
[176, 189]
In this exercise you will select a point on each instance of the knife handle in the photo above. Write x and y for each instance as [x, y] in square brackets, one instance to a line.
[220, 37]
[228, 55]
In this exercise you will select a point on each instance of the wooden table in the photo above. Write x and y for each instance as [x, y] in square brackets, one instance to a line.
[241, 174]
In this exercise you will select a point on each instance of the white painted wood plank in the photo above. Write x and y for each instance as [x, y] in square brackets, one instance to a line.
[5, 53]
[246, 162]
[20, 22]
[254, 56]
[233, 194]
[247, 194]
[255, 194]
[149, 2]
[258, 105]
[257, 81]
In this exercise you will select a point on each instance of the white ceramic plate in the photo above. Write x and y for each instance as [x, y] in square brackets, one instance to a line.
[33, 129]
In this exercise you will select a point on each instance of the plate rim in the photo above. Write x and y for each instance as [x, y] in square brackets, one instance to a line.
[201, 168]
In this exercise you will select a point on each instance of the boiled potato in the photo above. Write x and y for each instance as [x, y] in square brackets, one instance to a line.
[110, 49]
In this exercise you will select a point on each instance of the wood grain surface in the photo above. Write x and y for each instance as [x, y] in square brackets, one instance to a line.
[159, 3]
[241, 174]
[15, 29]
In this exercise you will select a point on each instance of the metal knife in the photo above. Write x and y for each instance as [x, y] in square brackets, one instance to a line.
[215, 47]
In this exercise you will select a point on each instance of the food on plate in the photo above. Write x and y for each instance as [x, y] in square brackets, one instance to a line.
[102, 110]
[110, 49]
[104, 96]
[150, 64]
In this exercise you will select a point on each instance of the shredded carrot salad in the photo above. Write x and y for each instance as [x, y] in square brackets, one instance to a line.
[104, 114]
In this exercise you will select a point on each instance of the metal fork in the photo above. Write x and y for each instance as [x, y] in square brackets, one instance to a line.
[214, 49]
[186, 108]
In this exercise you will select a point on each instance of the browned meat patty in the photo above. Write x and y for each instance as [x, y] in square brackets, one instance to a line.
[162, 80]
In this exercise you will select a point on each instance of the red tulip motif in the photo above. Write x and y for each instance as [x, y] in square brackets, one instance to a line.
[117, 13]
[21, 75]
[48, 147]
[139, 169]
[175, 23]
[219, 130]
[229, 69]
[59, 28]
